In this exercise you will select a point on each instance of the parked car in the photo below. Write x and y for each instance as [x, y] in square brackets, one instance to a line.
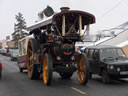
[110, 62]
[0, 70]
[3, 52]
[0, 51]
[14, 54]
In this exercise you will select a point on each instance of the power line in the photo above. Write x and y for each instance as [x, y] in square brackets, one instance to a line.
[111, 9]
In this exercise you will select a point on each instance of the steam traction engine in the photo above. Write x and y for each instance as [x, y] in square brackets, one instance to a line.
[53, 46]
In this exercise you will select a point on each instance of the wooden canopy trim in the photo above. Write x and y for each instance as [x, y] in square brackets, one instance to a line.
[84, 14]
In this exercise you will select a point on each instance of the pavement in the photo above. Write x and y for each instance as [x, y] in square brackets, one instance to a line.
[14, 83]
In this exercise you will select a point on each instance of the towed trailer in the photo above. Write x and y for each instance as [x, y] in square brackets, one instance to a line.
[53, 47]
[22, 53]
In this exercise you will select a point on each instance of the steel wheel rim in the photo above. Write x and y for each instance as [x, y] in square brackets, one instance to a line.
[30, 60]
[81, 71]
[45, 69]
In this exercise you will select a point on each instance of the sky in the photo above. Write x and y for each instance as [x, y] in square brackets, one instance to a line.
[108, 13]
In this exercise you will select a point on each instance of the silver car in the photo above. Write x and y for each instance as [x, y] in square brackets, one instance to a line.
[14, 55]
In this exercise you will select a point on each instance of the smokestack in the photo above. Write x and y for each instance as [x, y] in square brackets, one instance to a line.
[64, 9]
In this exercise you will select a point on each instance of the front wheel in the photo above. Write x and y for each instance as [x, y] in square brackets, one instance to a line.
[47, 69]
[83, 69]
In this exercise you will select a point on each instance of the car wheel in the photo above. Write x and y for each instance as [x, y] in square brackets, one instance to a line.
[11, 59]
[105, 77]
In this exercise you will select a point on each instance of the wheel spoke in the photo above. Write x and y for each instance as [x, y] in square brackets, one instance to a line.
[30, 66]
[30, 59]
[81, 71]
[30, 50]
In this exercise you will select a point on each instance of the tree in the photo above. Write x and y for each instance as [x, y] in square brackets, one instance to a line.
[19, 28]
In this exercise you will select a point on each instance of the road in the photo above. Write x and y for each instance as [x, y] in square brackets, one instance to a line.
[14, 83]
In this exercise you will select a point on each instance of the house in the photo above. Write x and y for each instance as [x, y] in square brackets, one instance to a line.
[11, 44]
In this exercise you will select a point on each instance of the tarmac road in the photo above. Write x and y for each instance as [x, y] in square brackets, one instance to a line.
[14, 83]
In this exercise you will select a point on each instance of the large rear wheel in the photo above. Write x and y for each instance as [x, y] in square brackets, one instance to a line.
[47, 69]
[32, 67]
[83, 69]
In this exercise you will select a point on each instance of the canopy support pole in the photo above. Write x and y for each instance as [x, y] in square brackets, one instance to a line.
[63, 25]
[80, 25]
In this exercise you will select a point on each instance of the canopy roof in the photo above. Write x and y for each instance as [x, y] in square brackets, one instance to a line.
[41, 23]
[87, 18]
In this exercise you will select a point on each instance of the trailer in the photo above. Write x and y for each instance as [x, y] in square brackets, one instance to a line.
[53, 47]
[22, 52]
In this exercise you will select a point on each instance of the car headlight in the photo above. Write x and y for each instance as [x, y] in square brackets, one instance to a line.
[118, 69]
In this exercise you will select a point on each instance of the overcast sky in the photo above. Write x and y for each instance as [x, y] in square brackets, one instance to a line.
[108, 13]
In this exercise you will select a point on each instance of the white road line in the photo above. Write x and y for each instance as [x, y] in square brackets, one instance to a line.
[81, 92]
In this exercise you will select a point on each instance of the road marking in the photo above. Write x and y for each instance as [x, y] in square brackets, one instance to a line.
[79, 91]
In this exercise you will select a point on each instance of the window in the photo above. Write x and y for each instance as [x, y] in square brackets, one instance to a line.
[111, 52]
[121, 53]
[20, 48]
[96, 55]
[24, 46]
[90, 54]
[86, 51]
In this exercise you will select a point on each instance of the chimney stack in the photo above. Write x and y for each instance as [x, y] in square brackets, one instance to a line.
[64, 9]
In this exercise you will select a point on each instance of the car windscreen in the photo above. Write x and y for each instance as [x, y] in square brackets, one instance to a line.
[112, 53]
[15, 52]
